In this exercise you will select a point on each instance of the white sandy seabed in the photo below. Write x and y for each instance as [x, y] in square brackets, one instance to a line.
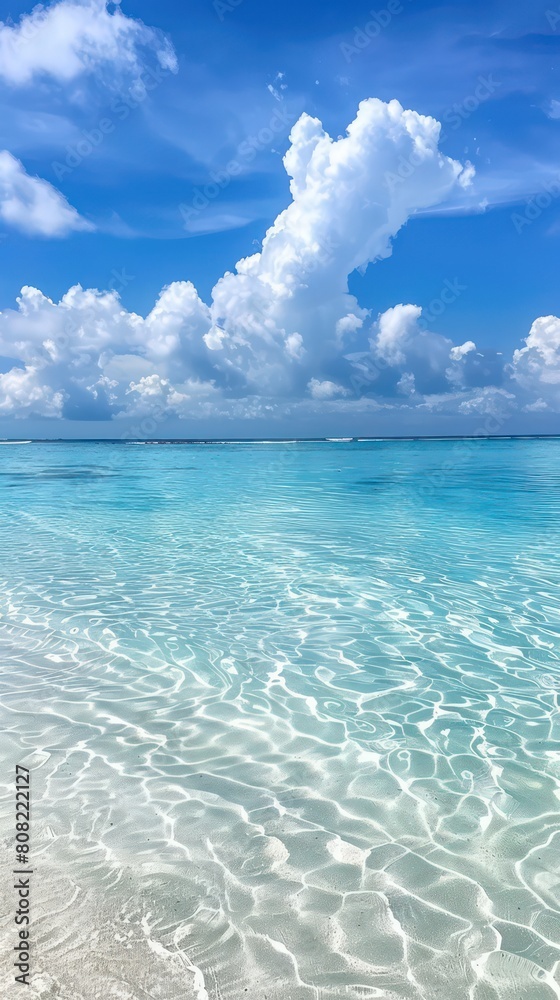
[267, 905]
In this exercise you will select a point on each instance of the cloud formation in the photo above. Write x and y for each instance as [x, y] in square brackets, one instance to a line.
[21, 392]
[282, 333]
[72, 37]
[536, 367]
[32, 205]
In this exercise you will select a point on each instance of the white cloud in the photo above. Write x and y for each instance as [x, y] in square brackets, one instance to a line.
[154, 394]
[552, 110]
[539, 406]
[489, 401]
[407, 384]
[33, 205]
[536, 367]
[409, 358]
[326, 389]
[213, 339]
[22, 394]
[294, 346]
[395, 328]
[345, 210]
[67, 39]
[347, 326]
[542, 346]
[456, 353]
[279, 329]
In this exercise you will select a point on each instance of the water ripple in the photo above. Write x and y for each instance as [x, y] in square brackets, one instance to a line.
[293, 718]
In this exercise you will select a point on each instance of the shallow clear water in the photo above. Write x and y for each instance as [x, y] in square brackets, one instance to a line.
[292, 712]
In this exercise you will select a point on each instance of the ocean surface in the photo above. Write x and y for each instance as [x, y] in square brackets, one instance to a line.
[291, 711]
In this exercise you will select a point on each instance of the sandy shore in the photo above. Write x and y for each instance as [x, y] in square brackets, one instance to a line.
[97, 942]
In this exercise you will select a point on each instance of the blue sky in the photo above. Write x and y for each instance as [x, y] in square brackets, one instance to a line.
[158, 135]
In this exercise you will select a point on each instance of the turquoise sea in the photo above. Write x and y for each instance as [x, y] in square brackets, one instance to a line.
[291, 711]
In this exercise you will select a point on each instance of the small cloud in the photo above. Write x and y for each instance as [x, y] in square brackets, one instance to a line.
[537, 407]
[214, 338]
[457, 353]
[395, 327]
[552, 110]
[277, 85]
[326, 389]
[488, 401]
[407, 384]
[32, 205]
[294, 346]
[73, 37]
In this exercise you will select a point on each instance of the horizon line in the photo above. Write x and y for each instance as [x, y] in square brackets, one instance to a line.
[287, 440]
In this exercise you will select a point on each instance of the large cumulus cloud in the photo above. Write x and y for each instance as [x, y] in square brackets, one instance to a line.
[344, 213]
[282, 329]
